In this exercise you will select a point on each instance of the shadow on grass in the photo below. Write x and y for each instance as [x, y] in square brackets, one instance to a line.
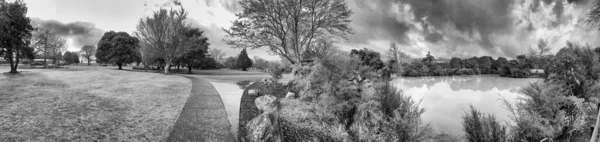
[244, 84]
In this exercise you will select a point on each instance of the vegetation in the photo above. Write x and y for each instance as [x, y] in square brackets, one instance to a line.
[288, 28]
[164, 35]
[480, 127]
[15, 33]
[243, 61]
[117, 47]
[87, 52]
[71, 58]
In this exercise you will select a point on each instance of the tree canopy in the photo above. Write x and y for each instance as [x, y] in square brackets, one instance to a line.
[117, 47]
[163, 35]
[288, 27]
[243, 61]
[87, 52]
[15, 33]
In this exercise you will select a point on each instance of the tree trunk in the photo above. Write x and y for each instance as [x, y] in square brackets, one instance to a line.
[189, 69]
[17, 60]
[10, 61]
[88, 61]
[167, 66]
[120, 66]
[595, 132]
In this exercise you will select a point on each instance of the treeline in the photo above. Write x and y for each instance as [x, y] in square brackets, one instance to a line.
[522, 67]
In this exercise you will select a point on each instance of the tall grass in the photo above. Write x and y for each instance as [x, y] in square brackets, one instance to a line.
[481, 127]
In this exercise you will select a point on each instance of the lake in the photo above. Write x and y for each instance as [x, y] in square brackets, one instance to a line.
[446, 98]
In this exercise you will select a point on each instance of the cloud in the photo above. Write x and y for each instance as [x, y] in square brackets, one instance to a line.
[81, 33]
[467, 28]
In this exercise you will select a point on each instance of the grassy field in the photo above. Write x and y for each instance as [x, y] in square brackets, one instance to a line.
[89, 104]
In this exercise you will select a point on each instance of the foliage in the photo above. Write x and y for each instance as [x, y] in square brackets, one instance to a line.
[288, 28]
[243, 61]
[480, 127]
[547, 113]
[87, 52]
[428, 58]
[276, 71]
[117, 47]
[456, 63]
[231, 63]
[576, 68]
[47, 44]
[197, 48]
[368, 58]
[164, 35]
[71, 58]
[15, 33]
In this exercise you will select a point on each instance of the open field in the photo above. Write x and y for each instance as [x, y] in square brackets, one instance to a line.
[89, 103]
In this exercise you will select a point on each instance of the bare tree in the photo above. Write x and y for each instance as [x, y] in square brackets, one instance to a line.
[47, 43]
[217, 54]
[288, 27]
[88, 51]
[163, 34]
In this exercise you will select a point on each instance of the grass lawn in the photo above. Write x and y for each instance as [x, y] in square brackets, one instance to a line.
[89, 104]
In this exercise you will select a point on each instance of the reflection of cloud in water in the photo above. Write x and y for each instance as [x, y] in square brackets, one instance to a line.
[445, 99]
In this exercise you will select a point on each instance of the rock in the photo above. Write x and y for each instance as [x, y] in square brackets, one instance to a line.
[264, 128]
[290, 95]
[252, 92]
[266, 103]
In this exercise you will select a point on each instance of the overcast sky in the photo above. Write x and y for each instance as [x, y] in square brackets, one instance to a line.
[462, 28]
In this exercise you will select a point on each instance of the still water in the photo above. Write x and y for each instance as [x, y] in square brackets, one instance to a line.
[445, 99]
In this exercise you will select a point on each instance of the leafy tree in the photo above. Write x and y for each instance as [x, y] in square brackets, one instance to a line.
[88, 51]
[428, 58]
[455, 63]
[288, 28]
[243, 61]
[260, 64]
[197, 47]
[368, 58]
[71, 58]
[117, 47]
[231, 63]
[485, 64]
[163, 34]
[15, 33]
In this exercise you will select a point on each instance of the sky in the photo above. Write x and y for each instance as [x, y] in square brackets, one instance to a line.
[446, 28]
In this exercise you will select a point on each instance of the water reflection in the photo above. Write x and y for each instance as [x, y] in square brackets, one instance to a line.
[445, 99]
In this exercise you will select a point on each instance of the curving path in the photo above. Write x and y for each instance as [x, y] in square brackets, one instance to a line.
[203, 117]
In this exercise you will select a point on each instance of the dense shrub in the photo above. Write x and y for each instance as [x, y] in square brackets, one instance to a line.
[519, 73]
[275, 70]
[480, 127]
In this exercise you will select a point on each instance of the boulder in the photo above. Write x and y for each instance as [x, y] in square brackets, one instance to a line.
[290, 95]
[252, 92]
[266, 103]
[264, 128]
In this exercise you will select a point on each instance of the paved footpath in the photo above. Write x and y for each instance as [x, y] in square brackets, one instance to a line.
[203, 117]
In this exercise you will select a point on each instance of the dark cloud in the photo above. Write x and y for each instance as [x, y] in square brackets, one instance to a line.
[467, 27]
[82, 33]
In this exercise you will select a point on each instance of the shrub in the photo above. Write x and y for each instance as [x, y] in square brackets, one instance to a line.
[519, 73]
[480, 127]
[546, 113]
[275, 70]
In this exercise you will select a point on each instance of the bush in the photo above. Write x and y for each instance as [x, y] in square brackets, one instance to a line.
[519, 73]
[546, 113]
[480, 127]
[276, 71]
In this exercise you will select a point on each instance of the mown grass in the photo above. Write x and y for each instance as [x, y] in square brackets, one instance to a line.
[89, 105]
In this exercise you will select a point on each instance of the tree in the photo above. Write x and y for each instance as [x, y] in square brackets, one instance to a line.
[368, 58]
[428, 58]
[230, 63]
[164, 34]
[485, 64]
[243, 61]
[15, 33]
[217, 55]
[47, 44]
[71, 57]
[260, 64]
[197, 47]
[87, 52]
[117, 47]
[455, 63]
[288, 28]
